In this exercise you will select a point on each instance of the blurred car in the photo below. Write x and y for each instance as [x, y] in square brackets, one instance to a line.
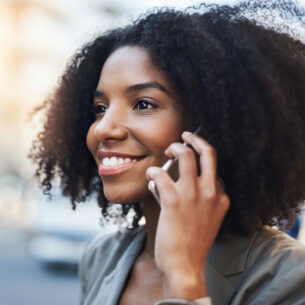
[57, 235]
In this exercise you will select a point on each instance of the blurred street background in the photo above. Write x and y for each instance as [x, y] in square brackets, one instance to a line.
[41, 241]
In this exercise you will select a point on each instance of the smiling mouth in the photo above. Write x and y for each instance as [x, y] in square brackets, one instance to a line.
[112, 166]
[114, 161]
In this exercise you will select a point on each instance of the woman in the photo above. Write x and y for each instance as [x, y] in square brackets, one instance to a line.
[127, 102]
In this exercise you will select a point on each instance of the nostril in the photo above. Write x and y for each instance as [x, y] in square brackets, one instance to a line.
[106, 132]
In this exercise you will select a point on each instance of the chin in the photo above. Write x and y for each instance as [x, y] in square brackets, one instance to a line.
[120, 199]
[126, 200]
[125, 195]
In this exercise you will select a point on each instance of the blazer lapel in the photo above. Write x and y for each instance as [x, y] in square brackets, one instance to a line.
[225, 267]
[219, 288]
[113, 284]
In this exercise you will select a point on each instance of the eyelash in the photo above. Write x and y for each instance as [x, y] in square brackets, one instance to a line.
[96, 109]
[101, 108]
[148, 103]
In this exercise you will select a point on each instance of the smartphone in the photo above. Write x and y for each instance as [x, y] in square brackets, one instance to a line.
[171, 167]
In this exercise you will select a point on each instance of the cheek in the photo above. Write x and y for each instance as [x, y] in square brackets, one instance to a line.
[161, 140]
[170, 132]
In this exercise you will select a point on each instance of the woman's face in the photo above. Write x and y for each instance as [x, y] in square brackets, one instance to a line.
[137, 118]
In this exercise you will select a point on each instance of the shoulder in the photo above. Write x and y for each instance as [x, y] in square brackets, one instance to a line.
[236, 253]
[266, 268]
[104, 251]
[108, 246]
[273, 245]
[275, 269]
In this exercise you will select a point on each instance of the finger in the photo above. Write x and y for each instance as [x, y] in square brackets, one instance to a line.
[186, 161]
[154, 190]
[208, 157]
[160, 184]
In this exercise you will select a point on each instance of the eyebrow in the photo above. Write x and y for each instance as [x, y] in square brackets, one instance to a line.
[136, 87]
[154, 85]
[98, 93]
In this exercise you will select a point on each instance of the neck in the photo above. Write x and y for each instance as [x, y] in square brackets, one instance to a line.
[151, 211]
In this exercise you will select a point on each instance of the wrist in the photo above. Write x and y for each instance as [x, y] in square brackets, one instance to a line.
[174, 301]
[186, 286]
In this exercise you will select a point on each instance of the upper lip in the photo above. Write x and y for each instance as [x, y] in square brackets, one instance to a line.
[108, 154]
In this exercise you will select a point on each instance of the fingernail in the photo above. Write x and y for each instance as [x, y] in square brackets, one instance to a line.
[151, 185]
[153, 189]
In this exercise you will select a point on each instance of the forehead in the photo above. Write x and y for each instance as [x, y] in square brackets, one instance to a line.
[128, 55]
[132, 64]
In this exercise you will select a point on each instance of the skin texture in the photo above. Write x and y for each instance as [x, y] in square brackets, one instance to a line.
[140, 122]
[192, 210]
[145, 123]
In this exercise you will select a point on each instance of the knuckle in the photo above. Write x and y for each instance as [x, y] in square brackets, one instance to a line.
[186, 152]
[172, 201]
[225, 201]
[208, 149]
[190, 195]
[160, 174]
[153, 172]
[172, 146]
[210, 194]
[181, 150]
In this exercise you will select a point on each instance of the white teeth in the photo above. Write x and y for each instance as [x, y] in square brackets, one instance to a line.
[113, 161]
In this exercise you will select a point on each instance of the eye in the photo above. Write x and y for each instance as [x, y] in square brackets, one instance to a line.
[99, 109]
[144, 104]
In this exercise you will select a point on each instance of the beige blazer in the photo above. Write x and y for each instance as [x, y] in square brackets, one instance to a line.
[265, 269]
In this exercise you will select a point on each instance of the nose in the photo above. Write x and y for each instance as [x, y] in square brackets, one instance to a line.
[112, 126]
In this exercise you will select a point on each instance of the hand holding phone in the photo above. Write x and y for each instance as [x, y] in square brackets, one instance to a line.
[192, 211]
[166, 167]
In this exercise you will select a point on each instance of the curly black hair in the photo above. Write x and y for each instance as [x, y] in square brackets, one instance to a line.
[244, 81]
